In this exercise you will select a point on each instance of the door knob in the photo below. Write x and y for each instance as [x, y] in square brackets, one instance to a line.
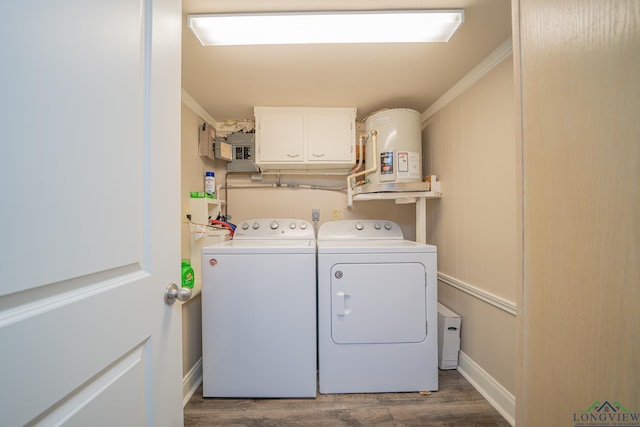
[173, 292]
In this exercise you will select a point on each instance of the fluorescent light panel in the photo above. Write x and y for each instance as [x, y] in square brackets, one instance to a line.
[399, 26]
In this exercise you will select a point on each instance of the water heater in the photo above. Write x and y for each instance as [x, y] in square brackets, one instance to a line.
[398, 152]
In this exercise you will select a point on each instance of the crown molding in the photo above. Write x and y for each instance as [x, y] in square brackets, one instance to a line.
[496, 57]
[197, 108]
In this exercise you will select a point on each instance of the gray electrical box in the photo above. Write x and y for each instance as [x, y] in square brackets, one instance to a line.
[211, 146]
[448, 338]
[222, 149]
[206, 137]
[243, 147]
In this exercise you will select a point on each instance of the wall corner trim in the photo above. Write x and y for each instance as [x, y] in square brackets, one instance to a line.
[499, 302]
[197, 108]
[191, 381]
[499, 397]
[496, 57]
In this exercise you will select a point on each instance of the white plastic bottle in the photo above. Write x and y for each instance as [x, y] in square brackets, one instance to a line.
[209, 183]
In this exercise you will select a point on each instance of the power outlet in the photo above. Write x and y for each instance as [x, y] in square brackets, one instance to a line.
[335, 214]
[315, 215]
[186, 209]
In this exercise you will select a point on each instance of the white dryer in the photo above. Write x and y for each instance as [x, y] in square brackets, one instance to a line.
[259, 311]
[377, 309]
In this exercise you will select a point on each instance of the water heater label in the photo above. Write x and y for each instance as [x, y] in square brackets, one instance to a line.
[409, 165]
[386, 163]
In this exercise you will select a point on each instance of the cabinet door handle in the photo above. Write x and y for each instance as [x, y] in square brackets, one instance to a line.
[318, 155]
[293, 155]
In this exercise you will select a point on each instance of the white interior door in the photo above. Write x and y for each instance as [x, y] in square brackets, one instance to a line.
[89, 171]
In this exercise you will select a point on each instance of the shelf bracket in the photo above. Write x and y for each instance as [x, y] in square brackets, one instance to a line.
[421, 220]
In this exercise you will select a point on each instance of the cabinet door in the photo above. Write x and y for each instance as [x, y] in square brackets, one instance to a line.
[331, 136]
[280, 137]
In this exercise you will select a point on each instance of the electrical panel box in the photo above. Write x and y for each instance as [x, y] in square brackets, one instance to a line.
[223, 150]
[206, 138]
[211, 146]
[448, 338]
[242, 152]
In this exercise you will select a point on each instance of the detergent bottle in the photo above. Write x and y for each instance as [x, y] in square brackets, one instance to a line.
[188, 277]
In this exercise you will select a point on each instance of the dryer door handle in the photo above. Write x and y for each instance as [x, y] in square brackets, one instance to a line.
[340, 304]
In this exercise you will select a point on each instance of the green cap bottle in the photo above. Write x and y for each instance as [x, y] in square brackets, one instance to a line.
[187, 274]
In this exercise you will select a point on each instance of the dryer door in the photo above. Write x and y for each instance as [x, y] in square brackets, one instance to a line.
[378, 303]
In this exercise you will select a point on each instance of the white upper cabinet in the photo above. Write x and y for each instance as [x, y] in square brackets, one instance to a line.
[305, 138]
[279, 136]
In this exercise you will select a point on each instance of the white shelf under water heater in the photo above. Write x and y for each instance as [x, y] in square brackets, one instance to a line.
[419, 198]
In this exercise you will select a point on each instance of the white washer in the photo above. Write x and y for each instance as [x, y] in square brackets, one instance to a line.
[259, 311]
[377, 309]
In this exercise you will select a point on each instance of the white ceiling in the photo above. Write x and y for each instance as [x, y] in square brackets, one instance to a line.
[228, 81]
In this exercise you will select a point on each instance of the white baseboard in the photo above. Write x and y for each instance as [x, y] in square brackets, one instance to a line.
[191, 381]
[498, 396]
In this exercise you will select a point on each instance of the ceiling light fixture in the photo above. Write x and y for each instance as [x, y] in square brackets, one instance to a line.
[395, 26]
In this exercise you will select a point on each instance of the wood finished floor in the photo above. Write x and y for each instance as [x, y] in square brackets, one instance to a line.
[457, 403]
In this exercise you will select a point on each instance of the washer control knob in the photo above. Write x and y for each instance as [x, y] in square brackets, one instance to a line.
[377, 226]
[274, 225]
[245, 226]
[387, 226]
[292, 226]
[256, 225]
[359, 226]
[303, 226]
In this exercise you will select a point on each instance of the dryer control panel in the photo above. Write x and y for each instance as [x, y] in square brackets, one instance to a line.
[356, 229]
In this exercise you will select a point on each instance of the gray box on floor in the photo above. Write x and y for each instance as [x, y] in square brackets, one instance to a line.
[448, 338]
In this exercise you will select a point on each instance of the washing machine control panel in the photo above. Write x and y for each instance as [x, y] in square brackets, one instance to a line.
[360, 229]
[275, 228]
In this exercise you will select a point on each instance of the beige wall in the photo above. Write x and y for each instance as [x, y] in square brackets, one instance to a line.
[297, 203]
[580, 82]
[193, 168]
[191, 333]
[248, 203]
[470, 145]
